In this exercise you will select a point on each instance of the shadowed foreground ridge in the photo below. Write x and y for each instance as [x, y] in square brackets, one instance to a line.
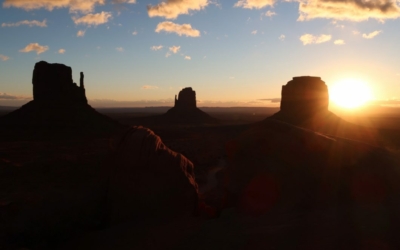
[305, 102]
[58, 103]
[186, 111]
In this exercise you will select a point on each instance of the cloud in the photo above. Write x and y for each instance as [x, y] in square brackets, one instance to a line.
[26, 22]
[84, 6]
[4, 58]
[149, 87]
[155, 48]
[171, 9]
[282, 37]
[174, 49]
[254, 4]
[356, 32]
[34, 47]
[93, 19]
[80, 33]
[61, 51]
[311, 39]
[180, 29]
[188, 58]
[119, 49]
[353, 10]
[372, 34]
[254, 32]
[123, 1]
[167, 55]
[5, 96]
[273, 100]
[270, 13]
[339, 42]
[134, 33]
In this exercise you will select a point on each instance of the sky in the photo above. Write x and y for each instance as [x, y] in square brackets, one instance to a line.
[232, 53]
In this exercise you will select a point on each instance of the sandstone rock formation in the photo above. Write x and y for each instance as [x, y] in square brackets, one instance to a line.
[53, 82]
[304, 95]
[148, 180]
[186, 99]
[304, 103]
[58, 103]
[185, 110]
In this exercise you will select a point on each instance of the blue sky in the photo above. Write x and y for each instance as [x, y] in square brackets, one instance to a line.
[230, 52]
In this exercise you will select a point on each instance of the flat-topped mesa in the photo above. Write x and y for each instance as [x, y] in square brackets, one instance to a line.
[53, 82]
[186, 98]
[304, 95]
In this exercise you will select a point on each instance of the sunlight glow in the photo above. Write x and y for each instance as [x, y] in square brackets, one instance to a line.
[350, 93]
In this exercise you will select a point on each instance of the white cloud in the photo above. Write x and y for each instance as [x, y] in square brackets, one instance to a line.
[254, 4]
[80, 33]
[4, 58]
[156, 47]
[254, 32]
[356, 32]
[34, 47]
[180, 29]
[174, 49]
[61, 51]
[282, 37]
[270, 13]
[188, 58]
[149, 87]
[134, 33]
[123, 1]
[84, 6]
[311, 39]
[354, 10]
[167, 54]
[372, 34]
[119, 49]
[93, 19]
[339, 42]
[171, 9]
[26, 22]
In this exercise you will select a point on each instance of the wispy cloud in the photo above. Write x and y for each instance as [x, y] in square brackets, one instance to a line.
[180, 29]
[282, 37]
[354, 10]
[254, 32]
[311, 39]
[254, 4]
[149, 87]
[174, 49]
[5, 96]
[134, 33]
[339, 42]
[34, 47]
[61, 51]
[188, 58]
[84, 6]
[93, 19]
[171, 9]
[119, 49]
[155, 48]
[270, 13]
[372, 34]
[4, 58]
[80, 33]
[123, 1]
[26, 22]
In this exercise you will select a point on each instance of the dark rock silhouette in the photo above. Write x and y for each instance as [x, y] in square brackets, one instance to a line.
[305, 102]
[148, 180]
[186, 99]
[185, 110]
[53, 82]
[304, 96]
[58, 103]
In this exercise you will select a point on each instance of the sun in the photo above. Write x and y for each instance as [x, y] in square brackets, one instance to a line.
[350, 93]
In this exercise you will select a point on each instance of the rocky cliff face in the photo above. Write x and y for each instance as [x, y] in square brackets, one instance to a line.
[305, 95]
[53, 82]
[186, 99]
